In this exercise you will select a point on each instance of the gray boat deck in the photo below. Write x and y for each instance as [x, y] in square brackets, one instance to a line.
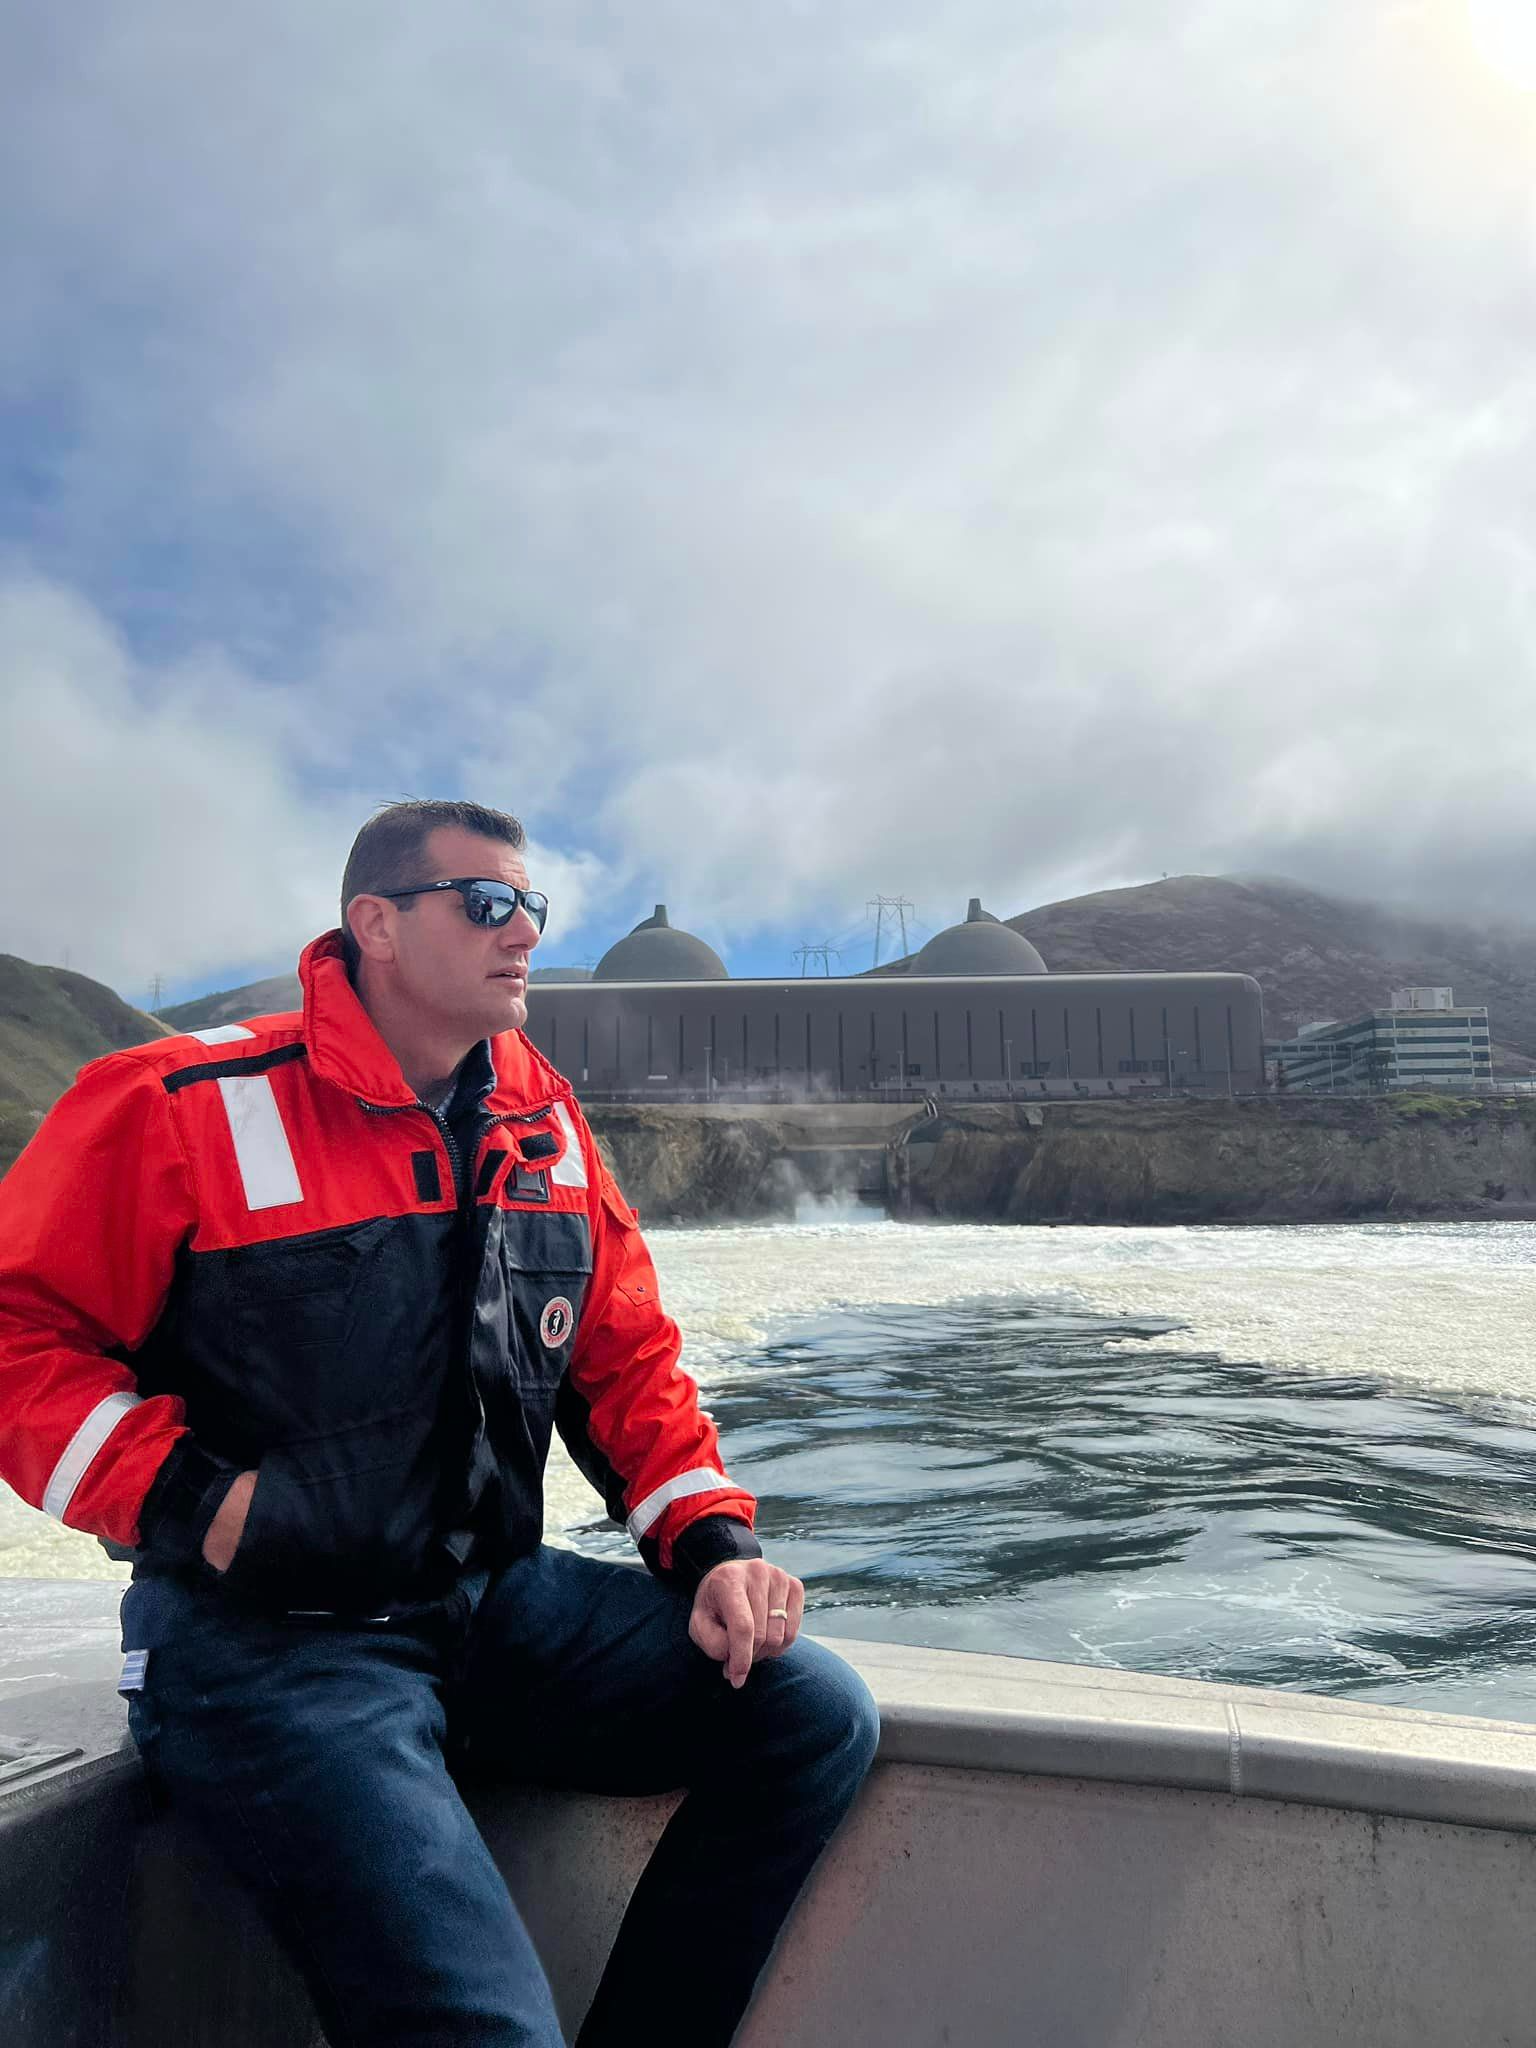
[1045, 1854]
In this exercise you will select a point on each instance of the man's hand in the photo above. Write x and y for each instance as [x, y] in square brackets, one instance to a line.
[228, 1525]
[744, 1610]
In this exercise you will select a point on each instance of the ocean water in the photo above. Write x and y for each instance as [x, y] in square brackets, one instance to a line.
[1301, 1457]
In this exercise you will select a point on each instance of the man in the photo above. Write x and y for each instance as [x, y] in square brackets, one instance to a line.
[289, 1309]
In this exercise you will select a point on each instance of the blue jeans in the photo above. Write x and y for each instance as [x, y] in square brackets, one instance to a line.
[315, 1757]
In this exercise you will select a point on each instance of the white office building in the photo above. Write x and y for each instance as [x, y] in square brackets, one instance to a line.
[1424, 1040]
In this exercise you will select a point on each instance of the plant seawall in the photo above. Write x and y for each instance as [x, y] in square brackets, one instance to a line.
[1143, 1162]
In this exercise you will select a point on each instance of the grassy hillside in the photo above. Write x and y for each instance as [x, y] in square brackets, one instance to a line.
[16, 1127]
[51, 1023]
[233, 1005]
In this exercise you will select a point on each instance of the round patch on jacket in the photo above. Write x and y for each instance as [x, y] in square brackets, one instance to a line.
[555, 1323]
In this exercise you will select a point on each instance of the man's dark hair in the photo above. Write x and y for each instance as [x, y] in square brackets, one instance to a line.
[390, 851]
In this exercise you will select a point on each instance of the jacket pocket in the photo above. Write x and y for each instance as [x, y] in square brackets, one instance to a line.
[342, 1520]
[544, 1269]
[320, 1268]
[319, 1333]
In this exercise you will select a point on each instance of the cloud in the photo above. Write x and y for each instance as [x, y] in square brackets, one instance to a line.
[149, 822]
[575, 888]
[161, 820]
[788, 454]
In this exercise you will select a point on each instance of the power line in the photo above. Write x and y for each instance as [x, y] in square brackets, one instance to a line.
[879, 905]
[859, 932]
[825, 953]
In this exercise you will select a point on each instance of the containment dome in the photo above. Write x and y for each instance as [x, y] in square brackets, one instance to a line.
[979, 946]
[653, 951]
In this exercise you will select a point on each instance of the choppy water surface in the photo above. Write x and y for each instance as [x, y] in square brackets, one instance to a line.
[1297, 1457]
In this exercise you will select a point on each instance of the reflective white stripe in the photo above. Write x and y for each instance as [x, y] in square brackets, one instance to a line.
[261, 1144]
[705, 1480]
[221, 1034]
[82, 1447]
[570, 1169]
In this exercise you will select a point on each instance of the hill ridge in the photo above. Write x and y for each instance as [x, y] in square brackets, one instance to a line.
[53, 1021]
[1313, 954]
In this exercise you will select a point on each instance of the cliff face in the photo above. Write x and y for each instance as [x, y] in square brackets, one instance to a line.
[693, 1165]
[1130, 1162]
[1202, 1162]
[1181, 1162]
[678, 1167]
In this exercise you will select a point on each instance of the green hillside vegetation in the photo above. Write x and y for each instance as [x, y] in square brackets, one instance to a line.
[16, 1127]
[234, 1005]
[52, 1022]
[1428, 1108]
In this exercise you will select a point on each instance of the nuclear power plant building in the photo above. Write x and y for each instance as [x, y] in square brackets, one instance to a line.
[975, 1013]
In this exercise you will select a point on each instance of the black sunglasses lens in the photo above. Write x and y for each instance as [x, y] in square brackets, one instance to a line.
[495, 903]
[489, 903]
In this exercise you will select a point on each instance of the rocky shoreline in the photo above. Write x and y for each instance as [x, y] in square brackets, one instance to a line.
[1276, 1160]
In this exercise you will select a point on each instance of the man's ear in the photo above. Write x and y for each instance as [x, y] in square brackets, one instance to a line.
[371, 921]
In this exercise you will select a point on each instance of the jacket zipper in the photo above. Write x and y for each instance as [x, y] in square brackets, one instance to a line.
[455, 1157]
[464, 1202]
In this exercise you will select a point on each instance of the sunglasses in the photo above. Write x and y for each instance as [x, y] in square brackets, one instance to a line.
[488, 903]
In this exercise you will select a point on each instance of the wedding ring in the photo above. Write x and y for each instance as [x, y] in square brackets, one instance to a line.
[781, 1612]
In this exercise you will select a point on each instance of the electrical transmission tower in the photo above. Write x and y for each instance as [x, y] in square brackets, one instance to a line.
[805, 954]
[898, 906]
[156, 993]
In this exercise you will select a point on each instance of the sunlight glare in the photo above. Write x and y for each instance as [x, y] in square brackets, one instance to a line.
[1505, 34]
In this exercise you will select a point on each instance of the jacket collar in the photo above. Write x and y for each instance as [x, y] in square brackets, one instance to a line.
[346, 1049]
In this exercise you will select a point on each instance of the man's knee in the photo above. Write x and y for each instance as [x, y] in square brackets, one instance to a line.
[832, 1713]
[860, 1719]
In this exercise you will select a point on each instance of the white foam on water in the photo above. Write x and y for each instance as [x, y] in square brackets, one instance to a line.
[812, 1211]
[1239, 1616]
[1436, 1308]
[34, 1546]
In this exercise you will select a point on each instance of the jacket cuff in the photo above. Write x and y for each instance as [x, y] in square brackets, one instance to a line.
[711, 1540]
[186, 1494]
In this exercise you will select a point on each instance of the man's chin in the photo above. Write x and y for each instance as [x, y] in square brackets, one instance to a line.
[510, 1014]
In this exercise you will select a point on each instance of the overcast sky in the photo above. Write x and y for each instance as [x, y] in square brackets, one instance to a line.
[784, 452]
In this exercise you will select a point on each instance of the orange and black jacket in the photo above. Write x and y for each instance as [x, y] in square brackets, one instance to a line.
[252, 1247]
